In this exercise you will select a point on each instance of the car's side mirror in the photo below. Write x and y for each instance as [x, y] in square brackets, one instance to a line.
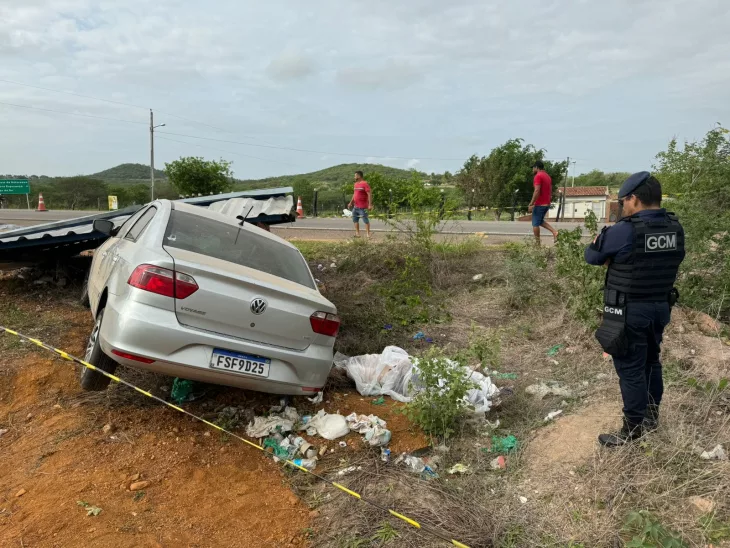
[104, 226]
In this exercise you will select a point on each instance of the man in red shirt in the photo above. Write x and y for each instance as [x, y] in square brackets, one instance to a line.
[541, 199]
[362, 198]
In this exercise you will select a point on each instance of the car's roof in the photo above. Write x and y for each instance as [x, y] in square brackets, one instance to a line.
[210, 214]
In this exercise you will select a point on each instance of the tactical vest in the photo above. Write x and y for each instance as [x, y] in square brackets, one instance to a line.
[649, 273]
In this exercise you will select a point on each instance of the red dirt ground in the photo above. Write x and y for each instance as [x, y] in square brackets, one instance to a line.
[203, 491]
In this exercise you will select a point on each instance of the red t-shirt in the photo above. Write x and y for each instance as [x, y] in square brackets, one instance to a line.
[546, 188]
[361, 201]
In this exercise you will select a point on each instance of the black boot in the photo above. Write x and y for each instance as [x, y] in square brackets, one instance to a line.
[651, 420]
[628, 433]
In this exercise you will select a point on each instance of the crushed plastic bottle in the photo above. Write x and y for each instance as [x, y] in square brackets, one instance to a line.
[309, 464]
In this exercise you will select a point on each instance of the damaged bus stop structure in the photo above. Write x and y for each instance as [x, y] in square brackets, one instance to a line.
[57, 240]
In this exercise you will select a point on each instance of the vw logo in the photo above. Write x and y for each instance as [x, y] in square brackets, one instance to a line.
[258, 306]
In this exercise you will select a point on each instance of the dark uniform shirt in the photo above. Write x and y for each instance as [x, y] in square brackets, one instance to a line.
[615, 242]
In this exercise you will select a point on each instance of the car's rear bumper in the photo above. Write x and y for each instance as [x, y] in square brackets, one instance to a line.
[142, 330]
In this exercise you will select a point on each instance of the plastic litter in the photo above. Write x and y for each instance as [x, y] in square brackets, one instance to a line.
[554, 349]
[543, 389]
[506, 444]
[261, 427]
[343, 444]
[182, 389]
[378, 401]
[418, 465]
[3, 431]
[550, 416]
[348, 470]
[309, 464]
[317, 399]
[329, 426]
[385, 454]
[459, 469]
[419, 336]
[346, 213]
[477, 277]
[718, 453]
[499, 463]
[372, 427]
[394, 373]
[523, 500]
[388, 326]
[508, 376]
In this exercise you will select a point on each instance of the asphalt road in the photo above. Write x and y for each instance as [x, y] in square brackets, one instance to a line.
[337, 227]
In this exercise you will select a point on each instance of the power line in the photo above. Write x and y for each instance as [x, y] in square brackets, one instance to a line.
[228, 151]
[308, 150]
[72, 113]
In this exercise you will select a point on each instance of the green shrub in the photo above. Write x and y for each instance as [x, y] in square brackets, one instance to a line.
[525, 267]
[442, 402]
[646, 531]
[581, 283]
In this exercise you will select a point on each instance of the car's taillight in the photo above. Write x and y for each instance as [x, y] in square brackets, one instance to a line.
[132, 357]
[163, 281]
[325, 323]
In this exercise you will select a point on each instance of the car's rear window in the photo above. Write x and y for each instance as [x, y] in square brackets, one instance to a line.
[243, 247]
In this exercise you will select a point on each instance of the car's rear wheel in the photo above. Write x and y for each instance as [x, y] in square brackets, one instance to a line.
[93, 380]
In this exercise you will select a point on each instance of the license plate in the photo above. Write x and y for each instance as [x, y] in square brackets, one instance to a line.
[240, 363]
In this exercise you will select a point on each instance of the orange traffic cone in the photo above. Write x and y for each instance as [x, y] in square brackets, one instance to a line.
[300, 209]
[41, 203]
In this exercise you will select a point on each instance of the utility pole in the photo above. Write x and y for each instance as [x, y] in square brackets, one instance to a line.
[565, 184]
[152, 154]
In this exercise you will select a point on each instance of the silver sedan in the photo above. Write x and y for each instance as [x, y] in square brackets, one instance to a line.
[188, 292]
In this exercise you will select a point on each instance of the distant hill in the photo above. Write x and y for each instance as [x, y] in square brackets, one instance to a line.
[334, 175]
[128, 172]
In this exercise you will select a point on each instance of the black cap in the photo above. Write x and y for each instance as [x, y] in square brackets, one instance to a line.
[632, 183]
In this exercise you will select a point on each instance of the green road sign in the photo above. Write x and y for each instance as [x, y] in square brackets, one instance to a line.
[14, 186]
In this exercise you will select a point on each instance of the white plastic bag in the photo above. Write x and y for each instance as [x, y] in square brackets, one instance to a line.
[329, 426]
[386, 374]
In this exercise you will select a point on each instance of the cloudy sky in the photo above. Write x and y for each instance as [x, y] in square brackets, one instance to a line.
[409, 83]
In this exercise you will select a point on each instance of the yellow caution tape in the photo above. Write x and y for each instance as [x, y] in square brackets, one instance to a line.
[342, 488]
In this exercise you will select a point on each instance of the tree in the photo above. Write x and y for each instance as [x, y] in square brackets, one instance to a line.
[193, 175]
[505, 176]
[304, 189]
[697, 178]
[79, 192]
[597, 177]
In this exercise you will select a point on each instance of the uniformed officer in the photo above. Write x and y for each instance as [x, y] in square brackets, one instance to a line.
[642, 251]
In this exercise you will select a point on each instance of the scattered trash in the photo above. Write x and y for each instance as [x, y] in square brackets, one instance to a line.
[329, 426]
[182, 390]
[317, 399]
[508, 376]
[139, 485]
[388, 327]
[333, 265]
[548, 389]
[523, 500]
[322, 451]
[550, 416]
[372, 427]
[459, 469]
[500, 463]
[419, 336]
[343, 444]
[506, 444]
[379, 401]
[419, 465]
[718, 453]
[554, 349]
[107, 429]
[348, 470]
[555, 362]
[20, 493]
[309, 464]
[477, 277]
[273, 446]
[91, 510]
[394, 373]
[606, 356]
[493, 425]
[385, 454]
[276, 422]
[602, 376]
[3, 431]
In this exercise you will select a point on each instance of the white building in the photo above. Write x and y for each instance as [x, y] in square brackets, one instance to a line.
[579, 200]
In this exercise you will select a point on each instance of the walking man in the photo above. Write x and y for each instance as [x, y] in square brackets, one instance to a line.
[642, 251]
[541, 199]
[362, 199]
